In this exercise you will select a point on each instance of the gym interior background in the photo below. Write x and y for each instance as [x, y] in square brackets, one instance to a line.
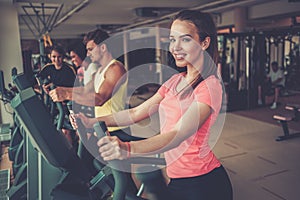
[251, 34]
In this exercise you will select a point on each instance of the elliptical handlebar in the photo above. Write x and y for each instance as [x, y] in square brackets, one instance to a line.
[116, 165]
[61, 112]
[72, 108]
[59, 105]
[153, 179]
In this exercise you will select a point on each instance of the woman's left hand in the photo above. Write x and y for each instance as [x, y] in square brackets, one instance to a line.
[112, 148]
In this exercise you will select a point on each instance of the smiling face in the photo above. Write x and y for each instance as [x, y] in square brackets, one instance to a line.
[185, 44]
[76, 60]
[57, 59]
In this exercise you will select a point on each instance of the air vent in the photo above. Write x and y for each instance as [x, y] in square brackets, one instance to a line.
[110, 27]
[154, 11]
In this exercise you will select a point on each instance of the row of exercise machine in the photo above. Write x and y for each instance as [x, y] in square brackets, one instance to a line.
[46, 166]
[245, 61]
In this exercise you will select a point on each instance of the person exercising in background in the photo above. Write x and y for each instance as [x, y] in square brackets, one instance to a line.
[60, 74]
[78, 53]
[276, 77]
[188, 105]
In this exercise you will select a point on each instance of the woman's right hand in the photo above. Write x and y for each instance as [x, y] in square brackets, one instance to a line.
[112, 148]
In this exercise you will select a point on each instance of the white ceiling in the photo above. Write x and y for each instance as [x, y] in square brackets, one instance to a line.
[77, 17]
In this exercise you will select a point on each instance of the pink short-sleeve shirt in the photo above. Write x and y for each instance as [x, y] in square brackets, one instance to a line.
[193, 157]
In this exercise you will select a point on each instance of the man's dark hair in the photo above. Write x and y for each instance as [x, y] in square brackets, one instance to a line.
[97, 36]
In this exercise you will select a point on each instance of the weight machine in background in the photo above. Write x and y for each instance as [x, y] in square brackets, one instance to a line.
[245, 60]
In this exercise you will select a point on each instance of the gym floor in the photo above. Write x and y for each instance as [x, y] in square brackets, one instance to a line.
[259, 166]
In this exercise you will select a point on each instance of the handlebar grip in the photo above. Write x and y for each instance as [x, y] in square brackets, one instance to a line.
[60, 110]
[70, 105]
[101, 129]
[121, 179]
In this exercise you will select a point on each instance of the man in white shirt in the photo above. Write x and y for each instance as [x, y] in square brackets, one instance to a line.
[276, 76]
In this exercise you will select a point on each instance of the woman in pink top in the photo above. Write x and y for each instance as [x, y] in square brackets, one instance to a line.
[188, 105]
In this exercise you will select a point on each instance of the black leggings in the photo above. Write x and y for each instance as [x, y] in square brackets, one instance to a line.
[212, 186]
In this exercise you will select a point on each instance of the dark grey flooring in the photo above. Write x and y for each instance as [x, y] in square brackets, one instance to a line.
[260, 168]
